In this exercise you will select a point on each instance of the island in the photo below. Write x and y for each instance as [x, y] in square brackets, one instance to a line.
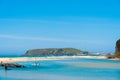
[56, 52]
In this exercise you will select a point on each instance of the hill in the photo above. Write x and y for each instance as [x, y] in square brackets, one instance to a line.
[117, 52]
[55, 52]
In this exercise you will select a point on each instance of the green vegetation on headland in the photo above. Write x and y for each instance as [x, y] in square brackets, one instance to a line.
[117, 52]
[116, 55]
[55, 52]
[70, 52]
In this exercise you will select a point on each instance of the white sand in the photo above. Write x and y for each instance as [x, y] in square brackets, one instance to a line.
[23, 59]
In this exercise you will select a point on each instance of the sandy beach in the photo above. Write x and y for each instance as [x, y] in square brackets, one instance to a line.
[23, 59]
[73, 68]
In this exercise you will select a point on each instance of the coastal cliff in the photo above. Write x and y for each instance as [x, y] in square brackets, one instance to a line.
[55, 52]
[117, 51]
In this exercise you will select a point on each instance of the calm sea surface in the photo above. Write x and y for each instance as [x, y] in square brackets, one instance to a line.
[72, 69]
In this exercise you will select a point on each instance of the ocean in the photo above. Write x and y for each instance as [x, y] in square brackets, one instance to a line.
[70, 69]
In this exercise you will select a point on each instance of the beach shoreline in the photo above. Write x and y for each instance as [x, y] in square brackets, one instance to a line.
[25, 59]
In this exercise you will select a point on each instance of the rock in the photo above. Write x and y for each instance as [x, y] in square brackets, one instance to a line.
[12, 65]
[117, 51]
[118, 46]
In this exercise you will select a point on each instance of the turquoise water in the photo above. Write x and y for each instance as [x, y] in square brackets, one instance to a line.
[72, 69]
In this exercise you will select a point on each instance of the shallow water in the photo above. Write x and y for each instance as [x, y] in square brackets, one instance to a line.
[72, 69]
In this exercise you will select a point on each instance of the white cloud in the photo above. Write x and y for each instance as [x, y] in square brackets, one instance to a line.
[35, 38]
[80, 41]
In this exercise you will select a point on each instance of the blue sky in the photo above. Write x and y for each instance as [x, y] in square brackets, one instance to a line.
[91, 25]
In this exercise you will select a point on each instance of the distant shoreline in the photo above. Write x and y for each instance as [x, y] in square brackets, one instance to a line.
[25, 59]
